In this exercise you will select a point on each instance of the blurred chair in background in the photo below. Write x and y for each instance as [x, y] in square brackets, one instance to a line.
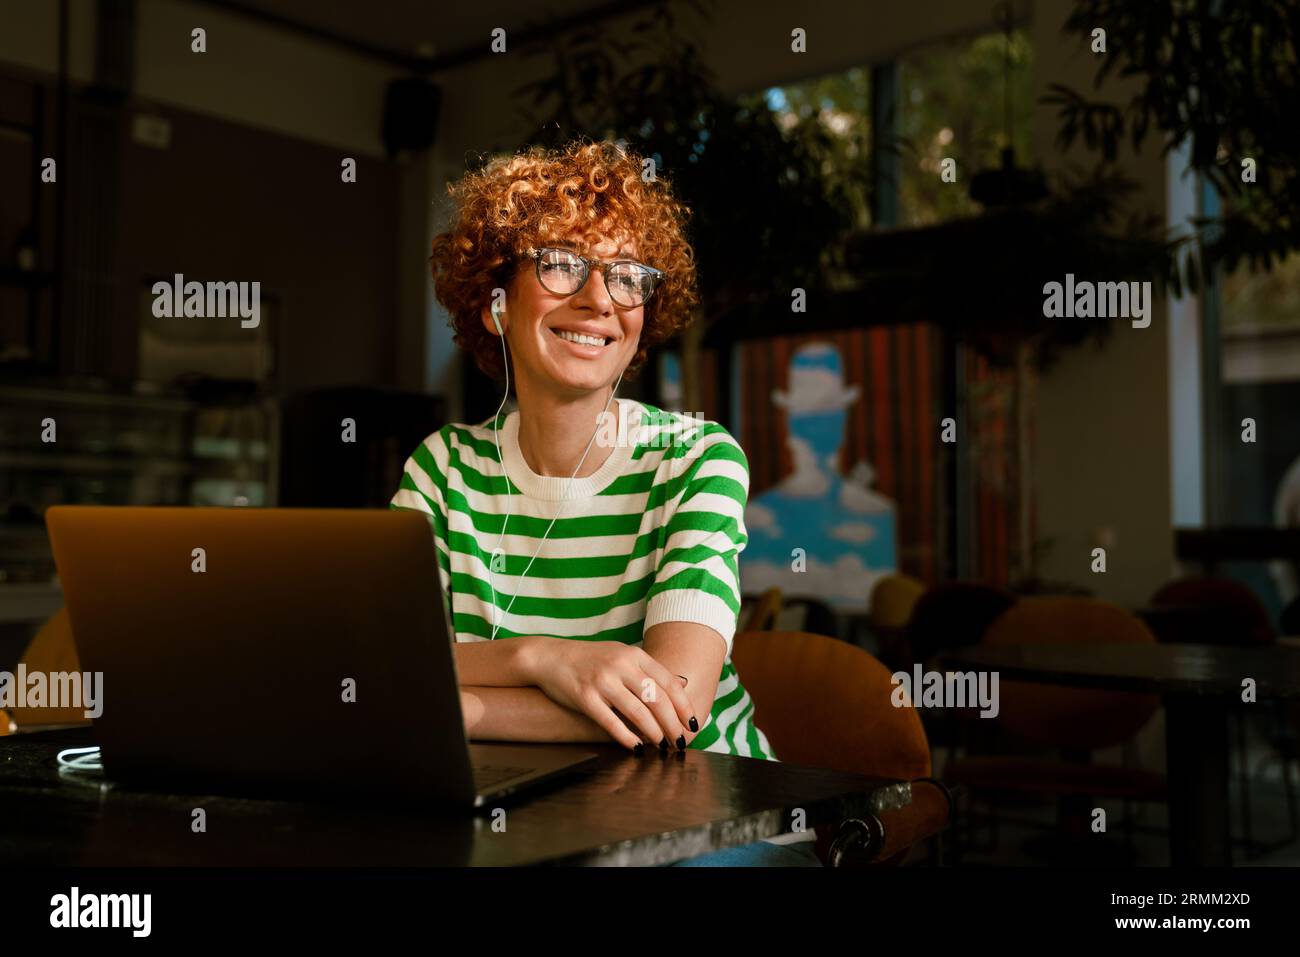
[1214, 611]
[1069, 722]
[805, 613]
[947, 616]
[892, 600]
[760, 613]
[826, 703]
[952, 615]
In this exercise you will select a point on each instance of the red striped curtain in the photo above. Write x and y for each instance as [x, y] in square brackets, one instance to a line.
[995, 471]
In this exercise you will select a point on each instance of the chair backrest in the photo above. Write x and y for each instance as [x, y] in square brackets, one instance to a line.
[826, 703]
[1069, 718]
[804, 613]
[953, 615]
[892, 599]
[1237, 616]
[51, 650]
[765, 609]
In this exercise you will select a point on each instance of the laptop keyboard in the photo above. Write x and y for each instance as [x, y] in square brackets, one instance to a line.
[487, 776]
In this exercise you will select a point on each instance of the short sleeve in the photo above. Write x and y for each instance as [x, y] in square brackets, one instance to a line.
[423, 488]
[697, 578]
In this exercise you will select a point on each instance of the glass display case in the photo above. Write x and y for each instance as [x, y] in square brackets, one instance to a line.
[95, 446]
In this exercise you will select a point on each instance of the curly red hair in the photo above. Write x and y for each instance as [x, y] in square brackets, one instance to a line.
[583, 192]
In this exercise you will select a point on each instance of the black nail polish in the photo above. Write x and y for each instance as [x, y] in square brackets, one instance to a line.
[663, 745]
[639, 750]
[681, 742]
[695, 725]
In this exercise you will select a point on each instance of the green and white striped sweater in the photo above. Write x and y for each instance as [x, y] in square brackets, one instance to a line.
[652, 536]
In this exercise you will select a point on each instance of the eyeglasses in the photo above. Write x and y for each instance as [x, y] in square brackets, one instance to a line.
[563, 272]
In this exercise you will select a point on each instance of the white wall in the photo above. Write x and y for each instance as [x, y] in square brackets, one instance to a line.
[1102, 461]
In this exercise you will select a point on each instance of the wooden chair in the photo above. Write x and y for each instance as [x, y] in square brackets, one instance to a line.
[826, 703]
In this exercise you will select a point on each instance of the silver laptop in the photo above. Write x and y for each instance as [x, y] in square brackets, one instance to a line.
[279, 652]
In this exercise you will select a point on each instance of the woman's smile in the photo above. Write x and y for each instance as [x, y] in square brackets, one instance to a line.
[582, 343]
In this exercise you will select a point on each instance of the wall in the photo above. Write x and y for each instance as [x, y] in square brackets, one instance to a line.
[230, 202]
[30, 38]
[1102, 459]
[252, 74]
[248, 189]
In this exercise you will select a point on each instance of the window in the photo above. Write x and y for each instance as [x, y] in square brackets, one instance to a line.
[842, 135]
[1258, 476]
[953, 103]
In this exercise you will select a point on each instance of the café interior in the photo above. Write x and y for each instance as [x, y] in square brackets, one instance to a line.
[1069, 537]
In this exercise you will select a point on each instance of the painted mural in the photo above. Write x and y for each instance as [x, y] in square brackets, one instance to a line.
[818, 532]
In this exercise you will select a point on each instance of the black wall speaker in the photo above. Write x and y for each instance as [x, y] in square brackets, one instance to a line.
[410, 114]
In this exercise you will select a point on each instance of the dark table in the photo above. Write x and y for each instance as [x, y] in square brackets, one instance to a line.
[1211, 547]
[640, 811]
[1198, 683]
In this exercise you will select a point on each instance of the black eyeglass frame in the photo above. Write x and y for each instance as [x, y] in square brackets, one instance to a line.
[535, 254]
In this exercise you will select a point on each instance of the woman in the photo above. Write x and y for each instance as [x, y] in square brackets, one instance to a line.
[587, 544]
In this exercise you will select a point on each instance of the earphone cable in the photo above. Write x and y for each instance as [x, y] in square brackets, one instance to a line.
[499, 617]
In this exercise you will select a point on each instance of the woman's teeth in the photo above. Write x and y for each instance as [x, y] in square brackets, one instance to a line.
[580, 338]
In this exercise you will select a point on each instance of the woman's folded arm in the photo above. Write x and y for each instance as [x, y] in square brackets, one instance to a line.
[495, 664]
[600, 691]
[528, 714]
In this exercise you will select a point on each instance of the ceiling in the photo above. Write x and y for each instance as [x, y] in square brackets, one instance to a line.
[419, 27]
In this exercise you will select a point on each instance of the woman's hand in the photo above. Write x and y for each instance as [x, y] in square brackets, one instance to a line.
[607, 679]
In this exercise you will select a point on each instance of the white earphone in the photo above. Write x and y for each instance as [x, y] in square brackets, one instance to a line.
[497, 313]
